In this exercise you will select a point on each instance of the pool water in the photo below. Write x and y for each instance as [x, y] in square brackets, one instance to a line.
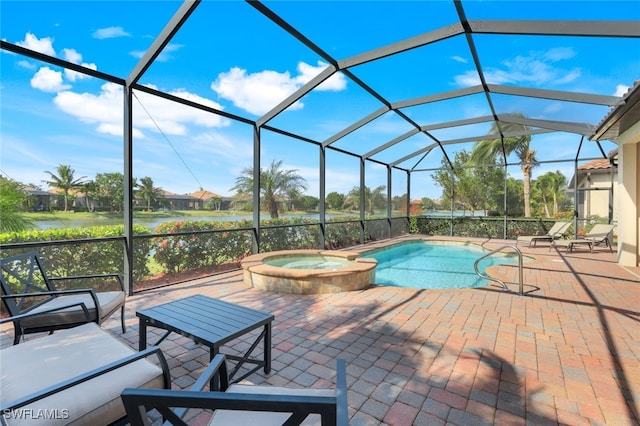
[307, 262]
[433, 265]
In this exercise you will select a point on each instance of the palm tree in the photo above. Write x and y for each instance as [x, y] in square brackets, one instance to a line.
[372, 198]
[541, 189]
[65, 181]
[486, 151]
[148, 192]
[552, 184]
[275, 184]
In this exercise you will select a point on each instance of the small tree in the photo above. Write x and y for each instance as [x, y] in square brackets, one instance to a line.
[11, 201]
[110, 190]
[335, 201]
[308, 203]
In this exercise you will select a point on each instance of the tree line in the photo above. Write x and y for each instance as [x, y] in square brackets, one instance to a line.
[473, 181]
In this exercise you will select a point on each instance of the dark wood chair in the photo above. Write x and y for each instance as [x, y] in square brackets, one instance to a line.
[26, 288]
[242, 404]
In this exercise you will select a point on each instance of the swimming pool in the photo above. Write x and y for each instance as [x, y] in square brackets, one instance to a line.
[433, 264]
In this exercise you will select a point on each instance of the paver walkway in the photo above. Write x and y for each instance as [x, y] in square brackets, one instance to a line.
[568, 352]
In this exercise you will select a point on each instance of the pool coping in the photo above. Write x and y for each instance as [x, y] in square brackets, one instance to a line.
[356, 275]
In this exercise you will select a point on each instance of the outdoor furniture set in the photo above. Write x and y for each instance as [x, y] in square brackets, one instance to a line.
[556, 236]
[558, 230]
[83, 374]
[599, 234]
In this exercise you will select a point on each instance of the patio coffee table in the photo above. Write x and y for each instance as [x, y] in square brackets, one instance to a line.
[213, 323]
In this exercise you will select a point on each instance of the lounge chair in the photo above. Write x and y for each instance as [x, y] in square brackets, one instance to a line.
[558, 230]
[600, 234]
[74, 376]
[243, 404]
[26, 287]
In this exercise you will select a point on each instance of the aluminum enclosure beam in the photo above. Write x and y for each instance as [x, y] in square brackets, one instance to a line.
[557, 95]
[172, 27]
[557, 28]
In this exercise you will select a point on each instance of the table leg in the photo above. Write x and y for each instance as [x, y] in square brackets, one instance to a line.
[142, 335]
[267, 348]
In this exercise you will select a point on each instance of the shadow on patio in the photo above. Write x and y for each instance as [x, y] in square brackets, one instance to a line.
[567, 352]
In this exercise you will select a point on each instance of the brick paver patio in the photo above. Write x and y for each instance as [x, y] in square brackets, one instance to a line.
[568, 352]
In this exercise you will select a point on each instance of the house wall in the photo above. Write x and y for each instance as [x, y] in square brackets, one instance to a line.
[596, 201]
[629, 199]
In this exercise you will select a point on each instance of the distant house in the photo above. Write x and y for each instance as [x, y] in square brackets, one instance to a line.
[596, 186]
[211, 200]
[180, 202]
[39, 200]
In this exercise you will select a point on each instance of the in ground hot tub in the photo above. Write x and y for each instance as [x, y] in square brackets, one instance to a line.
[308, 271]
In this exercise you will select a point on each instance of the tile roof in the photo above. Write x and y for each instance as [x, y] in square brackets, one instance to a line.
[600, 164]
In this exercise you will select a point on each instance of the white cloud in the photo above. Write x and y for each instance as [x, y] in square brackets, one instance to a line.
[110, 32]
[48, 80]
[105, 111]
[459, 59]
[42, 45]
[26, 65]
[553, 108]
[334, 83]
[215, 146]
[536, 68]
[558, 54]
[164, 56]
[468, 79]
[73, 56]
[257, 93]
[621, 90]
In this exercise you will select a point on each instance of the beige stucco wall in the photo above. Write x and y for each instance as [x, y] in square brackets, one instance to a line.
[629, 199]
[597, 202]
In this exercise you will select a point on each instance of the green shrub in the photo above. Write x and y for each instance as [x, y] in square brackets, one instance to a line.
[199, 244]
[80, 257]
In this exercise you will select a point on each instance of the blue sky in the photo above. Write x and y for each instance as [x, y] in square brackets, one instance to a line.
[230, 57]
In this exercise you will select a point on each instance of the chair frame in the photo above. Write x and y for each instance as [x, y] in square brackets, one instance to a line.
[173, 404]
[551, 235]
[591, 239]
[14, 302]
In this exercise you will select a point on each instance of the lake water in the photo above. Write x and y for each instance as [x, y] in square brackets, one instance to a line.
[151, 223]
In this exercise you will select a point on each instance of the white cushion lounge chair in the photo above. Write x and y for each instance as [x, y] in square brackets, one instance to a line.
[558, 230]
[600, 234]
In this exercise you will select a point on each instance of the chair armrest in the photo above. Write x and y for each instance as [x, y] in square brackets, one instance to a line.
[43, 393]
[173, 403]
[81, 277]
[46, 311]
[90, 291]
[342, 409]
[49, 293]
[217, 365]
